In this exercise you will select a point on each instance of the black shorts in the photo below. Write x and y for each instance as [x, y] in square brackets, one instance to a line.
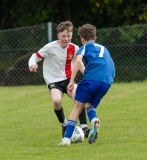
[62, 85]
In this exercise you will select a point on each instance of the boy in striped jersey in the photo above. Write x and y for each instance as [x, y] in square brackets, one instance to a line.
[58, 60]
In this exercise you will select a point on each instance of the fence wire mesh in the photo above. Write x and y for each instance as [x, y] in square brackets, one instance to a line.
[127, 45]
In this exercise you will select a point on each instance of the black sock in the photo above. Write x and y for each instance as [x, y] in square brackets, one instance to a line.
[60, 115]
[82, 117]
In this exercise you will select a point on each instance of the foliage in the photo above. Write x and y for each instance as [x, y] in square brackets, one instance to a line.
[101, 13]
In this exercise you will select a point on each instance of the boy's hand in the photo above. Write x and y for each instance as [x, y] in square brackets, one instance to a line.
[70, 87]
[33, 68]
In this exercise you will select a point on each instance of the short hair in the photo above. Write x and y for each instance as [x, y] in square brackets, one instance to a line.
[67, 25]
[87, 31]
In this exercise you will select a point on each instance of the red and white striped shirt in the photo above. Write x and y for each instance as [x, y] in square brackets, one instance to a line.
[57, 61]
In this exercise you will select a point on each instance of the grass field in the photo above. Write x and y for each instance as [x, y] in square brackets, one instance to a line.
[29, 129]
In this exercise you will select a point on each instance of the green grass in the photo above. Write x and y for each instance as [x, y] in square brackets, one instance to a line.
[29, 129]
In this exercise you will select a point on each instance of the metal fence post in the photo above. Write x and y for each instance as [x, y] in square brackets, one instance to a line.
[49, 27]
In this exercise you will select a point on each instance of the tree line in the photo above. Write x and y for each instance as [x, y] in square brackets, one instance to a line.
[101, 13]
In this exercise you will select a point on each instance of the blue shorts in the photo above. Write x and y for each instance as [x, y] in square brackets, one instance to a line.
[91, 91]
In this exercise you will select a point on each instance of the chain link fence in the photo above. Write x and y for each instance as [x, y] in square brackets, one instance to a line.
[127, 45]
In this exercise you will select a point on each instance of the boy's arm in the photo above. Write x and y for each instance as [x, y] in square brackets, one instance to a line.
[74, 72]
[36, 57]
[82, 68]
[33, 62]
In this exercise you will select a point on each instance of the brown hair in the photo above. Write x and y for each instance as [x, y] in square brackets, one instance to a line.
[87, 31]
[67, 25]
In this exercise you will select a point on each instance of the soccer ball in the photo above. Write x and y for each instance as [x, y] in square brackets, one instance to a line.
[78, 135]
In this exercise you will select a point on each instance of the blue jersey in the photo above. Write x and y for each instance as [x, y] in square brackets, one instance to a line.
[99, 64]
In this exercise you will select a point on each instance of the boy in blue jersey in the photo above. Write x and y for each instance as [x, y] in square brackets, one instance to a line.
[97, 79]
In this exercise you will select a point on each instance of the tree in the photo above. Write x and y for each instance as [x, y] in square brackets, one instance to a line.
[101, 13]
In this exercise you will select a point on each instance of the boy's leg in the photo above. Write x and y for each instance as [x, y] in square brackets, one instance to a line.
[91, 111]
[83, 122]
[95, 124]
[82, 116]
[61, 118]
[72, 123]
[56, 96]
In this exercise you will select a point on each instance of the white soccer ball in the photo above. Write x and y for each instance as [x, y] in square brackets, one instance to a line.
[78, 135]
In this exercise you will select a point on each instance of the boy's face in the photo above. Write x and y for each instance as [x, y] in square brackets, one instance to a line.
[64, 38]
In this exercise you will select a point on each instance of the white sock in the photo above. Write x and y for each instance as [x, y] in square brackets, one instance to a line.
[64, 123]
[83, 125]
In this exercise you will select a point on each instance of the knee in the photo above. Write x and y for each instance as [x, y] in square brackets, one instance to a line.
[57, 103]
[79, 107]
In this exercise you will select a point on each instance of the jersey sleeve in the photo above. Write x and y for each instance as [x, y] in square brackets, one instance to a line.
[81, 50]
[34, 59]
[75, 54]
[38, 56]
[44, 52]
[76, 48]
